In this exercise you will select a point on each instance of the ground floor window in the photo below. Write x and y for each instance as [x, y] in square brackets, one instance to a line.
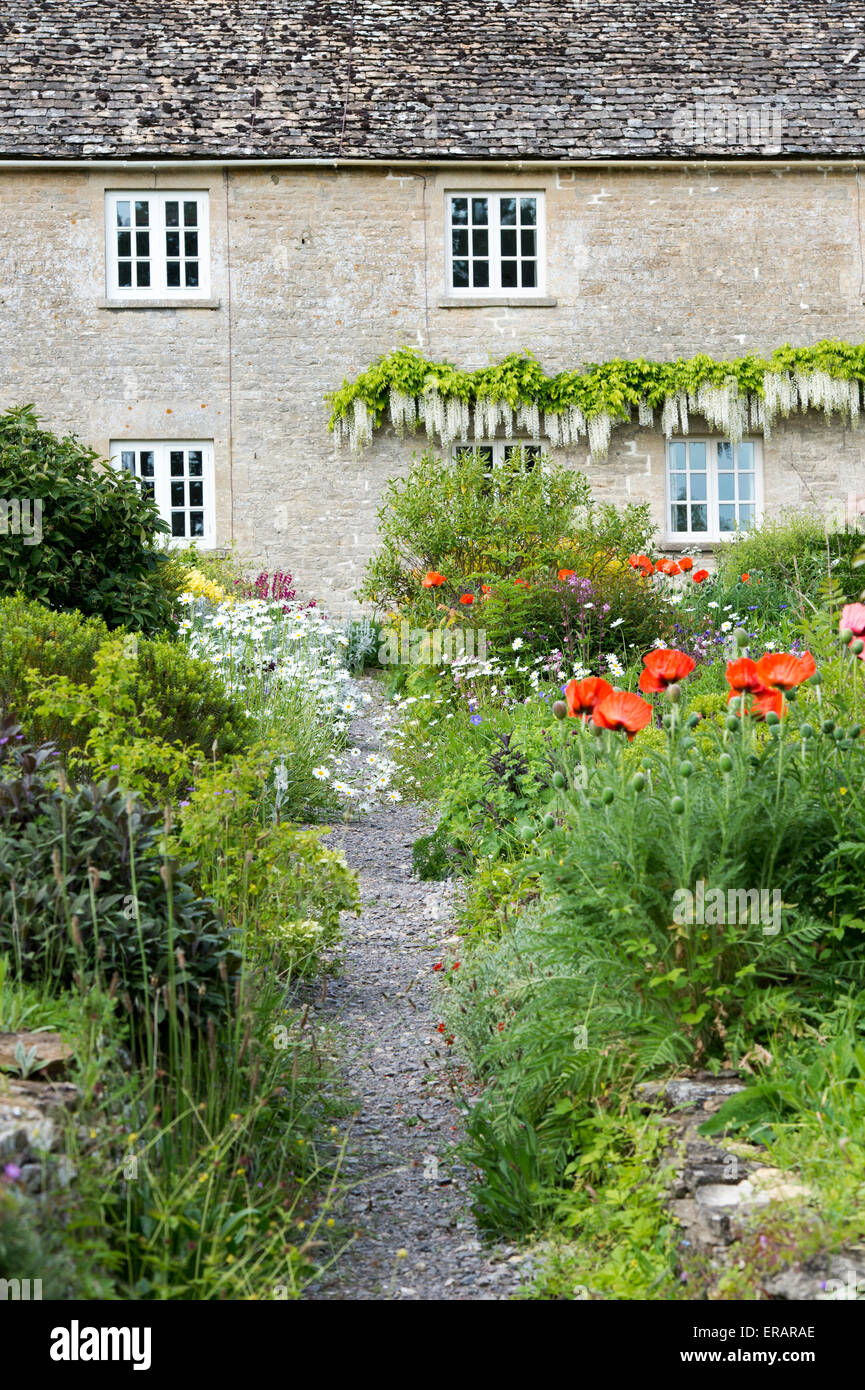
[178, 475]
[714, 488]
[498, 451]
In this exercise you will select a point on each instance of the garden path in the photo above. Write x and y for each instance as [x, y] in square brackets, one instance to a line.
[402, 1188]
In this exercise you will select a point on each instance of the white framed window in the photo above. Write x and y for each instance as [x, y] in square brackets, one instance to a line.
[157, 245]
[714, 488]
[499, 451]
[178, 475]
[495, 243]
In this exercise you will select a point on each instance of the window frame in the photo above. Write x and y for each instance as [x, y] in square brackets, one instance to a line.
[161, 448]
[499, 448]
[158, 289]
[713, 535]
[495, 289]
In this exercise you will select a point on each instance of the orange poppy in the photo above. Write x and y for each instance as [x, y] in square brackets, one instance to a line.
[583, 696]
[699, 575]
[566, 574]
[523, 582]
[664, 667]
[757, 705]
[783, 670]
[467, 598]
[686, 563]
[743, 675]
[486, 589]
[664, 565]
[746, 578]
[641, 562]
[623, 710]
[432, 579]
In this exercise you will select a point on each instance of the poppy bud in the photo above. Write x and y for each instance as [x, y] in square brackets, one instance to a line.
[677, 806]
[558, 780]
[549, 822]
[527, 832]
[638, 782]
[608, 796]
[855, 731]
[740, 637]
[692, 721]
[806, 731]
[857, 647]
[846, 636]
[772, 718]
[726, 762]
[674, 693]
[828, 726]
[560, 709]
[732, 723]
[686, 769]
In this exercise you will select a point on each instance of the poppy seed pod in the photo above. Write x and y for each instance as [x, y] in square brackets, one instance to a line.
[560, 709]
[857, 647]
[740, 637]
[674, 693]
[846, 636]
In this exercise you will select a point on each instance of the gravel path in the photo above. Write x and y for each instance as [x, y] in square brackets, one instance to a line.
[402, 1189]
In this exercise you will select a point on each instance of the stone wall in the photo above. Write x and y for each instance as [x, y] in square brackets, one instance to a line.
[318, 270]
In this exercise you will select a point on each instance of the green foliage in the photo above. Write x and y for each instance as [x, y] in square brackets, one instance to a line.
[141, 706]
[87, 888]
[98, 548]
[793, 553]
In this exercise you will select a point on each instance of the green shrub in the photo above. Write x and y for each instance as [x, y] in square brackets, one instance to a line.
[458, 519]
[86, 889]
[133, 690]
[98, 547]
[793, 553]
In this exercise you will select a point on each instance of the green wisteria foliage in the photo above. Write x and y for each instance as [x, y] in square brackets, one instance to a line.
[735, 397]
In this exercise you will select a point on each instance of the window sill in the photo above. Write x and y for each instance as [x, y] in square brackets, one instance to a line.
[496, 302]
[685, 547]
[158, 304]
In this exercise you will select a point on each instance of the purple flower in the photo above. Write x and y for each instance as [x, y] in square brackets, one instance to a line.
[475, 719]
[184, 803]
[12, 1172]
[115, 767]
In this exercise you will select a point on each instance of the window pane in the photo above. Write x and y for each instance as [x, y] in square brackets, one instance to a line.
[172, 214]
[529, 274]
[190, 214]
[678, 487]
[481, 274]
[124, 244]
[460, 274]
[509, 242]
[527, 241]
[190, 243]
[746, 487]
[480, 243]
[149, 490]
[698, 487]
[698, 518]
[697, 456]
[509, 274]
[124, 274]
[196, 494]
[725, 454]
[142, 214]
[479, 211]
[146, 464]
[177, 463]
[677, 456]
[196, 523]
[195, 465]
[680, 518]
[178, 496]
[172, 243]
[746, 515]
[142, 274]
[192, 274]
[127, 461]
[460, 211]
[123, 214]
[727, 516]
[178, 523]
[142, 243]
[726, 487]
[172, 274]
[508, 212]
[460, 241]
[745, 455]
[528, 210]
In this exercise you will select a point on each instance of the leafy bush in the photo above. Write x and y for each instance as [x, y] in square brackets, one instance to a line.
[98, 548]
[85, 887]
[68, 680]
[794, 552]
[457, 518]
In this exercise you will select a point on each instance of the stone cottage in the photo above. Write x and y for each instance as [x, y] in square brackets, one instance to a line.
[210, 217]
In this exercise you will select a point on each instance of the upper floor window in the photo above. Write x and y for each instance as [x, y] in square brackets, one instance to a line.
[179, 477]
[714, 488]
[495, 243]
[157, 245]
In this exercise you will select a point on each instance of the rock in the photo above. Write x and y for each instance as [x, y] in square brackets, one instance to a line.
[52, 1053]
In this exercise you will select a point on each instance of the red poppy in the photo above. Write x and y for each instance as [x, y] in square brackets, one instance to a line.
[486, 589]
[699, 575]
[467, 598]
[757, 705]
[664, 667]
[686, 563]
[743, 675]
[641, 562]
[432, 579]
[566, 574]
[523, 582]
[783, 670]
[439, 966]
[746, 578]
[440, 1027]
[584, 696]
[853, 618]
[665, 566]
[623, 710]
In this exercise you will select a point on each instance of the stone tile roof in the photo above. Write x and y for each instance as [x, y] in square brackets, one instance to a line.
[551, 79]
